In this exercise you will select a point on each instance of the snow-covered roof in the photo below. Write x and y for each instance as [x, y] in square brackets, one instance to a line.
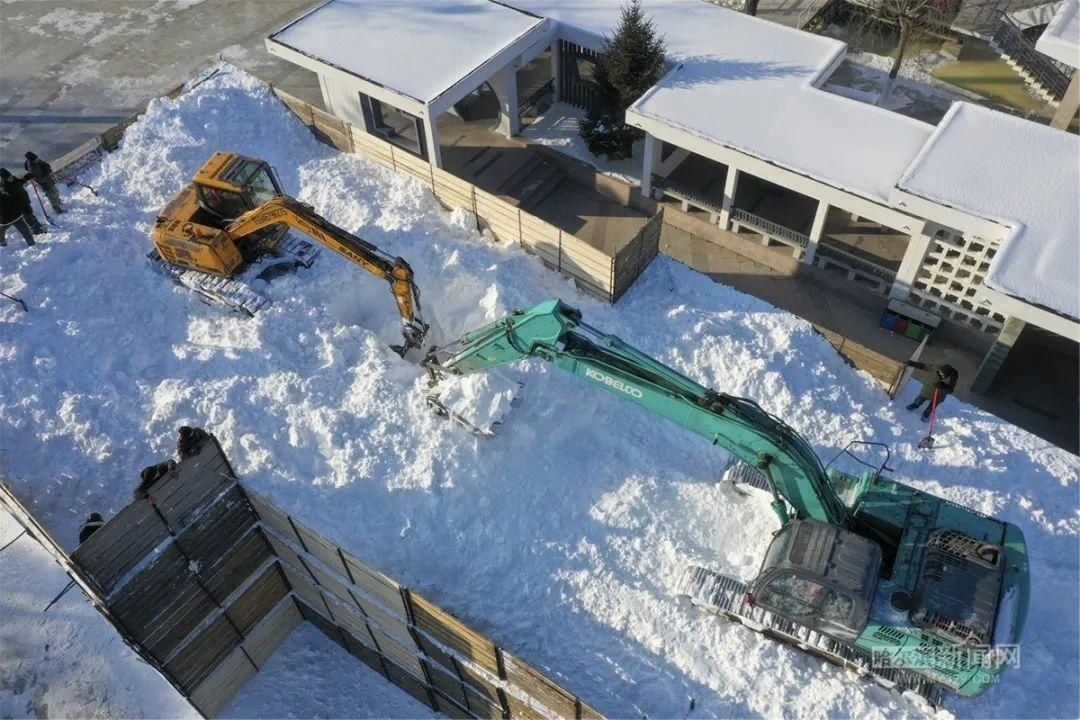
[1022, 175]
[1061, 38]
[419, 48]
[748, 84]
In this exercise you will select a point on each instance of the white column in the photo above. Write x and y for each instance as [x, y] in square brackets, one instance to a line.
[912, 262]
[505, 84]
[730, 181]
[650, 158]
[995, 357]
[431, 138]
[1070, 103]
[556, 64]
[815, 232]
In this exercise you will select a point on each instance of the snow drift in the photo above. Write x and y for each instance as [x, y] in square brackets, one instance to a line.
[562, 537]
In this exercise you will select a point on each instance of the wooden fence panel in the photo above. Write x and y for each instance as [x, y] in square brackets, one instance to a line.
[332, 583]
[501, 217]
[324, 624]
[377, 585]
[447, 683]
[322, 549]
[120, 544]
[408, 682]
[374, 148]
[228, 573]
[337, 132]
[305, 589]
[195, 659]
[453, 633]
[452, 191]
[402, 655]
[541, 239]
[258, 599]
[273, 517]
[364, 653]
[217, 690]
[269, 633]
[417, 167]
[181, 494]
[287, 554]
[537, 686]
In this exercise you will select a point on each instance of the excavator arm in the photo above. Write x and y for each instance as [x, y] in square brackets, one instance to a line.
[301, 217]
[554, 332]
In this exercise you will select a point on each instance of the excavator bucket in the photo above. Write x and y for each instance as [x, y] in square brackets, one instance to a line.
[479, 403]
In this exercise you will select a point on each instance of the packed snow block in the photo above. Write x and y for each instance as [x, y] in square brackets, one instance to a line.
[451, 632]
[120, 544]
[536, 686]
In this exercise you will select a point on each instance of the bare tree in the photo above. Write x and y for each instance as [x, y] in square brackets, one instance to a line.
[910, 17]
[750, 7]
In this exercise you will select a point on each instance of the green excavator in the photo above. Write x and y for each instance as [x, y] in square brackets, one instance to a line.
[915, 592]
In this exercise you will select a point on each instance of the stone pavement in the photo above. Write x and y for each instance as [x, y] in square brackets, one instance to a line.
[70, 70]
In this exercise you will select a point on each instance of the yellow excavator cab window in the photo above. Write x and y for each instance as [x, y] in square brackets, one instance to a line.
[262, 185]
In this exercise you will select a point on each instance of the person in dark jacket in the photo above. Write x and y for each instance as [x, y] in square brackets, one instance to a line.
[11, 215]
[17, 187]
[93, 522]
[189, 440]
[150, 475]
[940, 383]
[41, 173]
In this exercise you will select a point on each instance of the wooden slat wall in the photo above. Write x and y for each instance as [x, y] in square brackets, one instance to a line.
[406, 637]
[593, 270]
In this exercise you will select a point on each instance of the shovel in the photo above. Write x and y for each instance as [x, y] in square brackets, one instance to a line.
[927, 442]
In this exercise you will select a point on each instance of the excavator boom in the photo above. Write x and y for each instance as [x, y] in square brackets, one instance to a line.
[301, 217]
[864, 570]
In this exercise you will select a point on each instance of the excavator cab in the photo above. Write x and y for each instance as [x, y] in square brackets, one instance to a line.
[228, 185]
[820, 576]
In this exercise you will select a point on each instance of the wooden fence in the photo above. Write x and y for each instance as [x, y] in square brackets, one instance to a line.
[207, 578]
[593, 270]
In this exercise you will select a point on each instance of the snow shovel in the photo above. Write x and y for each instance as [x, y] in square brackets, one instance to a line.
[43, 211]
[927, 442]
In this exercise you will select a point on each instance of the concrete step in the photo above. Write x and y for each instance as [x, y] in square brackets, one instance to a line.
[496, 176]
[481, 160]
[512, 184]
[540, 185]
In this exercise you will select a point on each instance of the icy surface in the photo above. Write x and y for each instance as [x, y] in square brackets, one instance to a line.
[1061, 38]
[748, 84]
[419, 47]
[563, 536]
[309, 676]
[1023, 175]
[67, 662]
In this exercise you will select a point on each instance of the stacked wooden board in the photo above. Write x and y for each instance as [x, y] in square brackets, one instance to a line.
[208, 578]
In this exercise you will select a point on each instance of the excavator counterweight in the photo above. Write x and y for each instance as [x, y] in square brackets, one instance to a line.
[234, 226]
[918, 593]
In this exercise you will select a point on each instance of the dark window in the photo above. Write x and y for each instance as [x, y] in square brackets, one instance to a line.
[394, 125]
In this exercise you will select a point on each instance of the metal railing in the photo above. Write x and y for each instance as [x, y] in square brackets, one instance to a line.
[1052, 75]
[855, 263]
[534, 98]
[770, 228]
[682, 192]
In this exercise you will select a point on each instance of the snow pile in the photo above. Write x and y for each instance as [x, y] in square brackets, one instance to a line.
[69, 661]
[564, 535]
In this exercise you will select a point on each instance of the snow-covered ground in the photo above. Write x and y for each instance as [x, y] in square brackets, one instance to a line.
[559, 128]
[330, 683]
[563, 536]
[69, 661]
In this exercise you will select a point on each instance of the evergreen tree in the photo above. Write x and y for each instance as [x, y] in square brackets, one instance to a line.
[629, 63]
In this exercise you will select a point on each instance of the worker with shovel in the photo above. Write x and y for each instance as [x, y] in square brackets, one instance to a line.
[939, 384]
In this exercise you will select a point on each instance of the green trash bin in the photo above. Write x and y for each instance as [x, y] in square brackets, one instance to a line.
[914, 331]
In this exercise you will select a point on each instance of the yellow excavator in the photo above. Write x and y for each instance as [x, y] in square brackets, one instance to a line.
[228, 233]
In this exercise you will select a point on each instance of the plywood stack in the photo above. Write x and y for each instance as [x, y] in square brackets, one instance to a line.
[403, 635]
